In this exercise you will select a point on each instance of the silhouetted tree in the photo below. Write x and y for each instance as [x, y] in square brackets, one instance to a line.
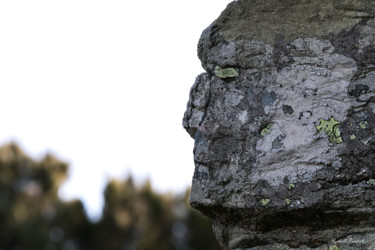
[134, 217]
[31, 215]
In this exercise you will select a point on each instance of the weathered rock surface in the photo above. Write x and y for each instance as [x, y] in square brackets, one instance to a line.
[283, 122]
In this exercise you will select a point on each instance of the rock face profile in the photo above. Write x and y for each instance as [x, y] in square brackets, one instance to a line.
[283, 122]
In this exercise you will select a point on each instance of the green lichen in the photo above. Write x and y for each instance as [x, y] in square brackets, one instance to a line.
[352, 137]
[264, 202]
[331, 128]
[291, 186]
[363, 124]
[267, 129]
[334, 247]
[288, 201]
[225, 73]
[371, 182]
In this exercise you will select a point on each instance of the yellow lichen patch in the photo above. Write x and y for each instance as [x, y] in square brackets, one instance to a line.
[267, 129]
[264, 202]
[363, 125]
[331, 128]
[225, 73]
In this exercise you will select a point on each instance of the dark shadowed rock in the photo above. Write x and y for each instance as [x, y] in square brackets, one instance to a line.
[283, 122]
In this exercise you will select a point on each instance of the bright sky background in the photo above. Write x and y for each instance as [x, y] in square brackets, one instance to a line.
[102, 85]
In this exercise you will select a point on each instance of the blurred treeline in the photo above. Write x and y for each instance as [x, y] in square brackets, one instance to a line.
[134, 217]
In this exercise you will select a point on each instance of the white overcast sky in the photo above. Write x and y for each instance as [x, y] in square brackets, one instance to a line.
[102, 85]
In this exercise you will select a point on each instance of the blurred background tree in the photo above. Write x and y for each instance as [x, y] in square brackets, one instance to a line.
[134, 217]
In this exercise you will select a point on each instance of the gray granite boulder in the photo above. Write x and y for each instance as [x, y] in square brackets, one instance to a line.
[283, 122]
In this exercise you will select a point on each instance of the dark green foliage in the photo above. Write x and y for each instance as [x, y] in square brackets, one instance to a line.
[33, 217]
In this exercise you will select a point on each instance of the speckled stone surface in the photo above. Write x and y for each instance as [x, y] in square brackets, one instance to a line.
[283, 122]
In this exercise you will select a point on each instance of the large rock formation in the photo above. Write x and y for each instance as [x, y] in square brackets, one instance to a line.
[283, 122]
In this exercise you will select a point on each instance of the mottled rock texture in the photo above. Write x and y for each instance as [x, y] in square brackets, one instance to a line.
[283, 122]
